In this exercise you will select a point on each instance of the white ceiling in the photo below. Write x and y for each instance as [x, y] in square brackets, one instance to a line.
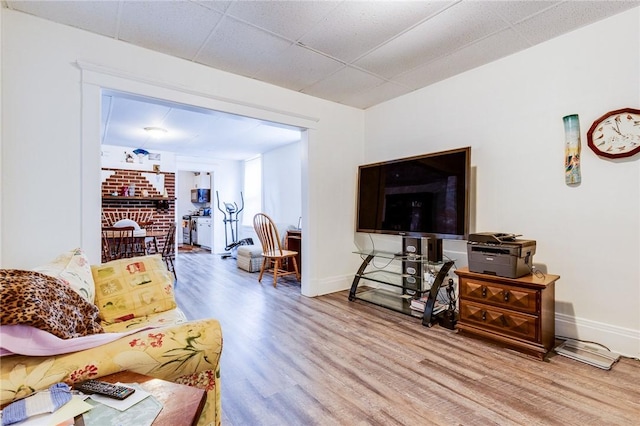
[357, 53]
[191, 131]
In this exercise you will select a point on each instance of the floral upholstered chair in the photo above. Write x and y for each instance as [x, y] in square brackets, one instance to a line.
[116, 316]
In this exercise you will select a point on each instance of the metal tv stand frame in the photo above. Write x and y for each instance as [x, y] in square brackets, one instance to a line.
[395, 289]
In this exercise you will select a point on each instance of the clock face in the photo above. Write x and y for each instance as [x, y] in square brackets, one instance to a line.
[616, 134]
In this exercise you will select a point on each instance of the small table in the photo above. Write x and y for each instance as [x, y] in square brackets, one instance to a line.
[181, 404]
[294, 243]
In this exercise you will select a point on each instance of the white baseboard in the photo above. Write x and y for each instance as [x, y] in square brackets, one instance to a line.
[330, 285]
[623, 341]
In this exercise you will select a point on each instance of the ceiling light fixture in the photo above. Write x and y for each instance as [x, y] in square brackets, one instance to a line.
[155, 131]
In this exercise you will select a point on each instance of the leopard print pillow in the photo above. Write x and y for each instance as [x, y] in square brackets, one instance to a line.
[44, 302]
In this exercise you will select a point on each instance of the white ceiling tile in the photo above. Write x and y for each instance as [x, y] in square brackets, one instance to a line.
[219, 5]
[376, 95]
[161, 26]
[366, 25]
[568, 16]
[471, 56]
[240, 48]
[450, 30]
[297, 68]
[100, 17]
[516, 10]
[342, 83]
[290, 19]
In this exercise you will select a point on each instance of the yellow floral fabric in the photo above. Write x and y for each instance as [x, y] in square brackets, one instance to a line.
[187, 353]
[133, 287]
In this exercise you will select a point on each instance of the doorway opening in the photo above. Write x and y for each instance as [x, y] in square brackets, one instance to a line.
[199, 152]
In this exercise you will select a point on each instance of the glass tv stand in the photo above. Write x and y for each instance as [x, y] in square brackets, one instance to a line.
[398, 279]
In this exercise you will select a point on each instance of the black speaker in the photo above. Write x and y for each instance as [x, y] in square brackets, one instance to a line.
[412, 274]
[423, 246]
[434, 249]
[414, 245]
[412, 268]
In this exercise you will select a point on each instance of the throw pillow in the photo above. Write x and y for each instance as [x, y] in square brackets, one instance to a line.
[72, 268]
[133, 287]
[47, 303]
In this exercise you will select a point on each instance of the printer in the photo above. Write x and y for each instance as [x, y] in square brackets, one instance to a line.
[500, 254]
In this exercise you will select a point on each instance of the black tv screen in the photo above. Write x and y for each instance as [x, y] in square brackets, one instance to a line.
[425, 195]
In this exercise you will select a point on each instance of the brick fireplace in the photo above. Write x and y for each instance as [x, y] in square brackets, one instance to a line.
[158, 209]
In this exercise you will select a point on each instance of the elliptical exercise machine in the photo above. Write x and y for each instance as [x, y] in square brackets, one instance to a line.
[231, 218]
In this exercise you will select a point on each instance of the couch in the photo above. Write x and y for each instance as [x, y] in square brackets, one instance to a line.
[105, 327]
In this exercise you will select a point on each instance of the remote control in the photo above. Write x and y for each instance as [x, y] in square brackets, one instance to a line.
[103, 388]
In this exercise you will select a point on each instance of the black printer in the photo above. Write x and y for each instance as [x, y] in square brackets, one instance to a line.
[500, 254]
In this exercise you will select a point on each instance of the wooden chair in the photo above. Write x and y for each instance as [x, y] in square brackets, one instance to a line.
[169, 250]
[150, 243]
[118, 243]
[272, 250]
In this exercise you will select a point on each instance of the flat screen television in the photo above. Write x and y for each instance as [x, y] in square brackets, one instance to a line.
[422, 196]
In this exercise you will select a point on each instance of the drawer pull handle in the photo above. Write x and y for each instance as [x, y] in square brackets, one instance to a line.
[484, 291]
[484, 315]
[506, 296]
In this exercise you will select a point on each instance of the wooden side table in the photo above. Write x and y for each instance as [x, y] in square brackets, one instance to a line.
[294, 242]
[181, 404]
[516, 312]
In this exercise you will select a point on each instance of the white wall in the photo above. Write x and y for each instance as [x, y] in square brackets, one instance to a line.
[282, 180]
[51, 79]
[510, 112]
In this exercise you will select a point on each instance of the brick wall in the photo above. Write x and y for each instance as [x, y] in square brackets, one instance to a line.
[137, 208]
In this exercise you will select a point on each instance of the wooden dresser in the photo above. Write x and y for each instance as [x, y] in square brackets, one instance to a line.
[515, 312]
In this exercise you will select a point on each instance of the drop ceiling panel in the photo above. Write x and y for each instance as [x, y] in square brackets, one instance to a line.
[240, 48]
[99, 17]
[366, 25]
[297, 68]
[376, 95]
[160, 26]
[568, 16]
[291, 19]
[344, 81]
[459, 25]
[471, 56]
[515, 11]
[219, 5]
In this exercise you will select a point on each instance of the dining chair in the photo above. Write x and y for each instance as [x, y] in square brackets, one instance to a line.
[272, 251]
[118, 242]
[150, 241]
[169, 250]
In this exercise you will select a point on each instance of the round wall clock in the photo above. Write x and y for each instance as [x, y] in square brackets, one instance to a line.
[616, 134]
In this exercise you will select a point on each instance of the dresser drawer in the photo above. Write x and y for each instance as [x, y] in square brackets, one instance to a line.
[506, 322]
[510, 297]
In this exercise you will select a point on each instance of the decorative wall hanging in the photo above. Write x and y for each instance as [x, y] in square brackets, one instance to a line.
[616, 134]
[572, 149]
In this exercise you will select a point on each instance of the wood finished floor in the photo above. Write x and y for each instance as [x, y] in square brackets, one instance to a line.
[292, 360]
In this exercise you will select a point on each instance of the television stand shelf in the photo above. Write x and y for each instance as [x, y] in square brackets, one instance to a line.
[397, 282]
